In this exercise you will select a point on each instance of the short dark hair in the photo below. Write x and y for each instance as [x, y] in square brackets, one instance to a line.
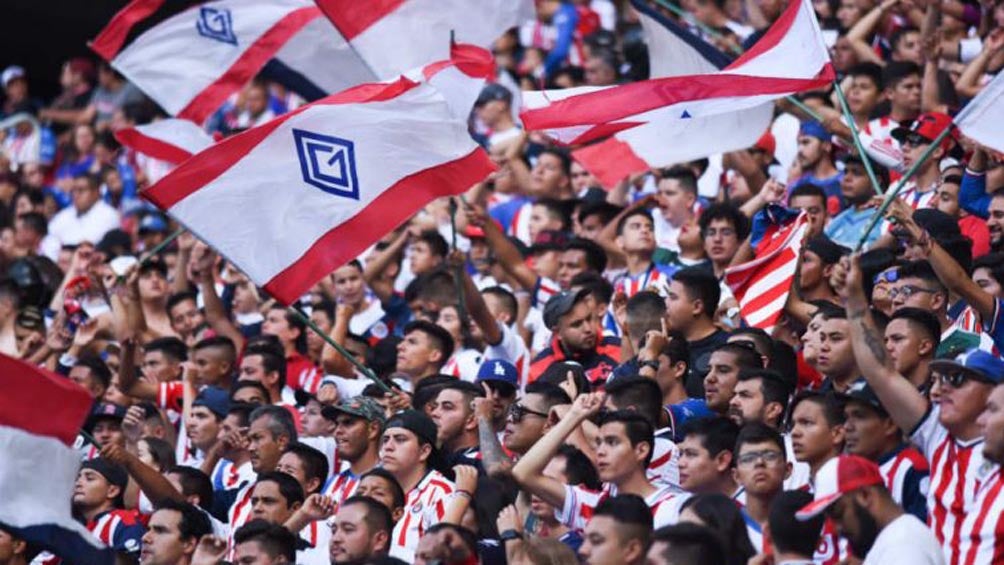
[701, 285]
[579, 470]
[683, 175]
[161, 451]
[628, 510]
[280, 420]
[438, 334]
[808, 189]
[179, 297]
[238, 385]
[691, 544]
[242, 410]
[639, 392]
[603, 209]
[831, 403]
[645, 311]
[35, 221]
[596, 258]
[921, 270]
[397, 493]
[637, 428]
[896, 71]
[788, 533]
[98, 368]
[562, 154]
[217, 342]
[729, 213]
[553, 394]
[597, 285]
[378, 517]
[721, 514]
[436, 242]
[557, 209]
[169, 346]
[745, 353]
[899, 34]
[195, 482]
[270, 363]
[923, 319]
[193, 524]
[507, 298]
[315, 464]
[715, 433]
[641, 211]
[773, 385]
[294, 322]
[758, 432]
[274, 539]
[872, 71]
[289, 487]
[761, 340]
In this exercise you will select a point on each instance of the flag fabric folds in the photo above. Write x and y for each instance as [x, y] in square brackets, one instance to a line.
[667, 120]
[761, 285]
[173, 140]
[295, 198]
[981, 118]
[40, 414]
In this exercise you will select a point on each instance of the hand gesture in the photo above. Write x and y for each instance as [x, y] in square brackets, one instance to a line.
[569, 386]
[773, 192]
[587, 405]
[202, 261]
[132, 424]
[59, 337]
[509, 519]
[186, 242]
[846, 277]
[327, 394]
[210, 551]
[902, 214]
[86, 332]
[235, 440]
[396, 401]
[318, 507]
[485, 407]
[466, 478]
[344, 310]
[114, 453]
[655, 342]
[619, 307]
[81, 260]
[456, 259]
[476, 216]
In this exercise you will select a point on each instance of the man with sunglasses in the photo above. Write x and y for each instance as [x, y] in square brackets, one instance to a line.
[920, 191]
[947, 433]
[528, 416]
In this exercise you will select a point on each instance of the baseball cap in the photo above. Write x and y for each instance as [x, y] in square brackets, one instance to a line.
[837, 477]
[828, 251]
[11, 73]
[359, 407]
[473, 232]
[561, 304]
[976, 363]
[861, 392]
[815, 129]
[493, 92]
[498, 371]
[415, 422]
[112, 473]
[767, 143]
[104, 411]
[929, 126]
[937, 223]
[549, 240]
[215, 399]
[152, 223]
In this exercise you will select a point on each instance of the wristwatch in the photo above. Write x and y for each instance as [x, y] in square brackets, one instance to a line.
[509, 535]
[651, 364]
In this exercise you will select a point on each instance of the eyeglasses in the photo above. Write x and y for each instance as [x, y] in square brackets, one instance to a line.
[909, 290]
[517, 412]
[890, 276]
[956, 379]
[915, 140]
[768, 456]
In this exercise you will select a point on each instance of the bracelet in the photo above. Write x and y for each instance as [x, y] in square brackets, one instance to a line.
[464, 493]
[510, 535]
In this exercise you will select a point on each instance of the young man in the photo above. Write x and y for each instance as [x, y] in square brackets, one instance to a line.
[816, 161]
[723, 229]
[618, 532]
[918, 286]
[264, 543]
[494, 108]
[268, 368]
[856, 189]
[920, 191]
[292, 333]
[528, 416]
[424, 350]
[173, 533]
[549, 178]
[623, 452]
[456, 425]
[912, 337]
[724, 366]
[677, 194]
[275, 497]
[186, 318]
[872, 434]
[835, 360]
[14, 551]
[817, 428]
[636, 241]
[360, 531]
[202, 428]
[97, 499]
[665, 360]
[358, 429]
[572, 320]
[691, 302]
[642, 396]
[706, 458]
[761, 469]
[795, 541]
[819, 256]
[163, 358]
[851, 492]
[812, 200]
[409, 452]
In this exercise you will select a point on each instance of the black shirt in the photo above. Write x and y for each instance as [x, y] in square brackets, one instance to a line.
[700, 357]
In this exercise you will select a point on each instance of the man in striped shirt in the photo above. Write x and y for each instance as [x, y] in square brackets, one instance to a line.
[983, 530]
[97, 498]
[947, 432]
[358, 427]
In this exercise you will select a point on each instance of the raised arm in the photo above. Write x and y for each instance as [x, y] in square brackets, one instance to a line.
[332, 361]
[861, 32]
[506, 253]
[128, 380]
[475, 303]
[203, 260]
[496, 463]
[373, 272]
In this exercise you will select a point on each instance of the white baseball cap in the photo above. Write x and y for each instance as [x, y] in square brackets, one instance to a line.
[10, 73]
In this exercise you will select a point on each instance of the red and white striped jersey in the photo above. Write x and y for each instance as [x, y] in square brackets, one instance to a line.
[580, 503]
[983, 529]
[318, 535]
[664, 468]
[228, 476]
[832, 549]
[463, 365]
[520, 227]
[423, 507]
[546, 288]
[955, 472]
[904, 472]
[656, 277]
[341, 486]
[239, 514]
[513, 349]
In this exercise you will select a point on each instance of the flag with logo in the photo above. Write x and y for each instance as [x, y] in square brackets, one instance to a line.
[761, 285]
[662, 121]
[295, 198]
[40, 414]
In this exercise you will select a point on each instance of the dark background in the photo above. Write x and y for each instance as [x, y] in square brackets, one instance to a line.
[40, 35]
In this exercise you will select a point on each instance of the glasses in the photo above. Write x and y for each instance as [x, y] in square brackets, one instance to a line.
[768, 456]
[890, 276]
[956, 379]
[909, 290]
[517, 412]
[915, 140]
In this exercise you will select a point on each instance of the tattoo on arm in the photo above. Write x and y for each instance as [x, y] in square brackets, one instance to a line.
[491, 450]
[870, 334]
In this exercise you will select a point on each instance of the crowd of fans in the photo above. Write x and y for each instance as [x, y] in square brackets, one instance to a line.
[562, 377]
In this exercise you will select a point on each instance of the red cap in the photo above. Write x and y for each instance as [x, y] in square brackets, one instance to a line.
[929, 126]
[837, 477]
[473, 232]
[767, 143]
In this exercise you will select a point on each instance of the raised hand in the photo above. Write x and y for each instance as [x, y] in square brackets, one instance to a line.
[318, 507]
[509, 519]
[210, 551]
[466, 478]
[132, 424]
[587, 405]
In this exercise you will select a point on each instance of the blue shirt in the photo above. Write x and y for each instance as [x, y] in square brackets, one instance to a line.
[846, 228]
[830, 185]
[973, 197]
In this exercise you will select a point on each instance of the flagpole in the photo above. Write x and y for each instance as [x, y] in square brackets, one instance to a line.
[737, 51]
[852, 125]
[458, 274]
[340, 349]
[162, 245]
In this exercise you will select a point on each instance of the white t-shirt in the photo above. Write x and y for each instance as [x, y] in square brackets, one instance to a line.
[908, 541]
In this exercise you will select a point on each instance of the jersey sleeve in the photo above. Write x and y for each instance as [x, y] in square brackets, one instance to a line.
[170, 396]
[973, 197]
[578, 507]
[511, 349]
[994, 327]
[128, 534]
[928, 433]
[914, 495]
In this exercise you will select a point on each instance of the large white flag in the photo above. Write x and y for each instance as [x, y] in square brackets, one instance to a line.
[981, 119]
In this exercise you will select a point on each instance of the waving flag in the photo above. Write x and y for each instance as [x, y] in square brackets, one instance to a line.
[39, 466]
[981, 118]
[173, 140]
[667, 120]
[761, 286]
[299, 196]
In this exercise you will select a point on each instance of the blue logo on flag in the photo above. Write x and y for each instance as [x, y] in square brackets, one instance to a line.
[216, 24]
[327, 162]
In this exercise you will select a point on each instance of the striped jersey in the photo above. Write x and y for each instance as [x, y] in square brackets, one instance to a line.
[983, 529]
[463, 364]
[907, 476]
[302, 373]
[513, 349]
[580, 503]
[317, 536]
[655, 277]
[424, 507]
[755, 532]
[341, 486]
[228, 476]
[664, 468]
[955, 471]
[121, 530]
[238, 515]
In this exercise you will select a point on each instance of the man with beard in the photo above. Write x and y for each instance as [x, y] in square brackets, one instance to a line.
[852, 493]
[816, 162]
[358, 426]
[974, 199]
[848, 226]
[571, 318]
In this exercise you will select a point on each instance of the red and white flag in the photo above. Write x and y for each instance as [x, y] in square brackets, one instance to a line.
[173, 140]
[761, 286]
[40, 414]
[293, 199]
[662, 121]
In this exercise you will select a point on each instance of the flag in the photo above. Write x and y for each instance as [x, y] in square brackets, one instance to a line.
[40, 414]
[173, 140]
[761, 285]
[981, 118]
[662, 121]
[293, 199]
[672, 49]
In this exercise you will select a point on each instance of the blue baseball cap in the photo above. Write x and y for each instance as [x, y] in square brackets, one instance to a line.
[979, 364]
[215, 399]
[498, 370]
[815, 129]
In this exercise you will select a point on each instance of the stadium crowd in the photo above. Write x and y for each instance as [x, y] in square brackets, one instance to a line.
[556, 374]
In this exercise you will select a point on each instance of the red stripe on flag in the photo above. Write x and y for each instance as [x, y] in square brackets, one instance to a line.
[109, 42]
[196, 173]
[156, 148]
[387, 211]
[250, 62]
[613, 104]
[471, 60]
[40, 402]
[773, 37]
[610, 161]
[353, 17]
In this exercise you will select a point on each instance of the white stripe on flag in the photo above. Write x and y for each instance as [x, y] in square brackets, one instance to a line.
[183, 134]
[981, 119]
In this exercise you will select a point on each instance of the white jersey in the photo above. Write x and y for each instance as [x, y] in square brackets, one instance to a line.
[513, 349]
[580, 503]
[801, 473]
[664, 468]
[318, 537]
[905, 541]
[424, 507]
[463, 364]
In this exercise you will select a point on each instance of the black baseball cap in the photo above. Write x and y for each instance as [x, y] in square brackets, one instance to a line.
[492, 92]
[561, 304]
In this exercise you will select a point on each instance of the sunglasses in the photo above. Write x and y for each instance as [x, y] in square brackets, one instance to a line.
[517, 412]
[915, 140]
[956, 379]
[909, 290]
[887, 276]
